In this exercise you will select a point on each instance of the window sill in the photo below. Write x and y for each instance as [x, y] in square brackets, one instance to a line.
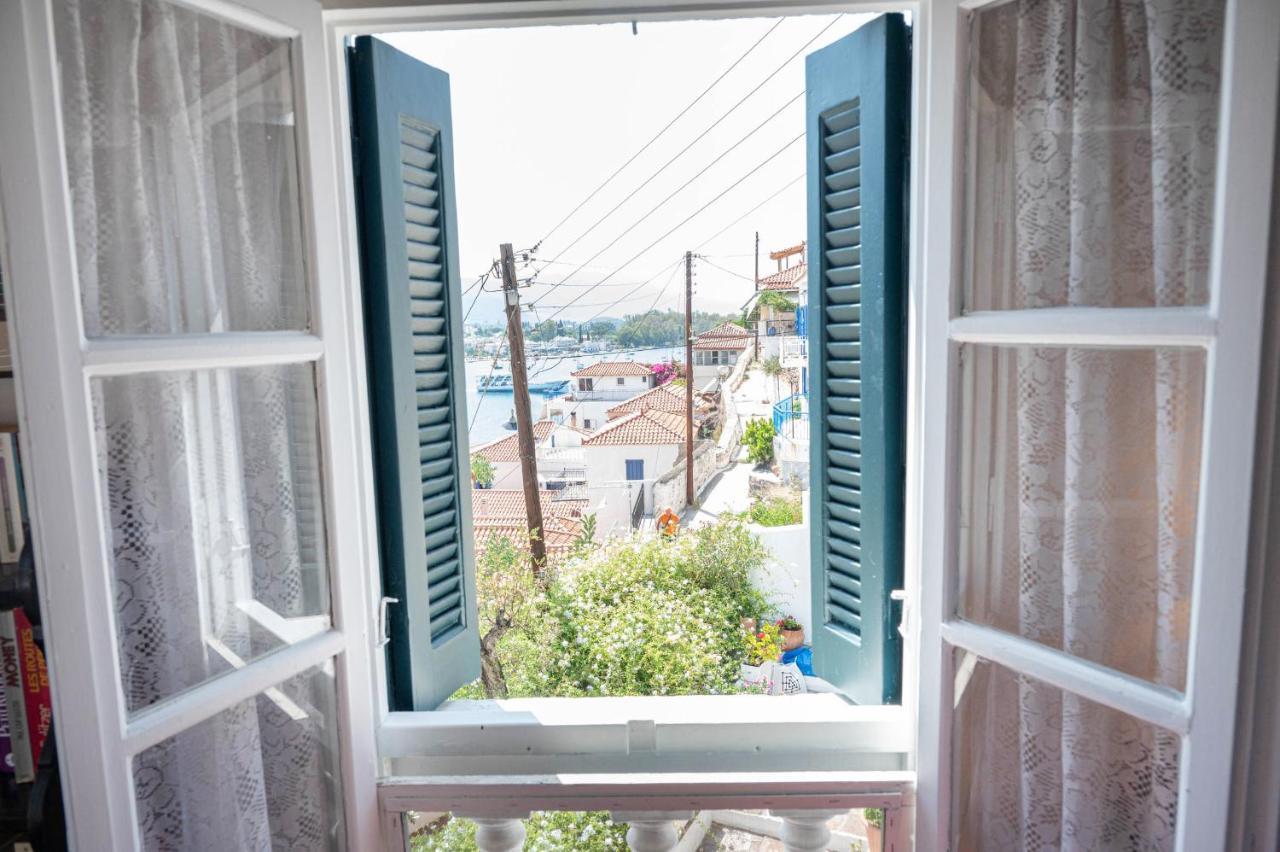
[636, 735]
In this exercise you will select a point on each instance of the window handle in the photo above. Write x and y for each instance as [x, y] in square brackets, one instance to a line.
[384, 626]
[900, 595]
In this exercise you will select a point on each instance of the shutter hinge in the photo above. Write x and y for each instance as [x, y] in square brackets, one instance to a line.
[900, 595]
[384, 625]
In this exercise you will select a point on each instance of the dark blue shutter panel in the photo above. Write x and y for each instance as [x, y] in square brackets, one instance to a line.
[858, 93]
[413, 330]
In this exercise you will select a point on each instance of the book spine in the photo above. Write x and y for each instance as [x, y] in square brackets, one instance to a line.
[24, 768]
[12, 537]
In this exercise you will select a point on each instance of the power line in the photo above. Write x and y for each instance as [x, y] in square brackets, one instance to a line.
[704, 258]
[697, 174]
[774, 195]
[685, 221]
[660, 133]
[701, 136]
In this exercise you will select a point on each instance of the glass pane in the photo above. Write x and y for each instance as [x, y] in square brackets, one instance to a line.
[261, 775]
[183, 168]
[1091, 146]
[1036, 768]
[1079, 501]
[215, 520]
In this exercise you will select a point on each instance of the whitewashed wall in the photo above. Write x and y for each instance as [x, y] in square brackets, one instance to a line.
[786, 579]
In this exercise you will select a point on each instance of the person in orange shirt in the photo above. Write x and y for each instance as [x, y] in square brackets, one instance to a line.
[668, 523]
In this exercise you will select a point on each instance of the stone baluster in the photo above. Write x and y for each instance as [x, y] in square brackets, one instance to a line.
[651, 831]
[499, 835]
[805, 831]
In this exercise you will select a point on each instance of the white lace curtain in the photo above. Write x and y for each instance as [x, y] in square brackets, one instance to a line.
[1093, 162]
[183, 178]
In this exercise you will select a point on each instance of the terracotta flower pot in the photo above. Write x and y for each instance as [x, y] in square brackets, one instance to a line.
[875, 838]
[792, 639]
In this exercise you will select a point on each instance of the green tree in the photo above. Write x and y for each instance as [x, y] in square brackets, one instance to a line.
[758, 439]
[772, 368]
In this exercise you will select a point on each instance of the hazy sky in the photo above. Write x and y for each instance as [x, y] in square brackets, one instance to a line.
[541, 116]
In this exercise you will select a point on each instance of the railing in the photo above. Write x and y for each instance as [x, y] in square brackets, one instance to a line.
[604, 394]
[791, 416]
[637, 507]
[794, 351]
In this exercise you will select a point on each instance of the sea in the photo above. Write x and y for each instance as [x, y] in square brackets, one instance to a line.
[488, 413]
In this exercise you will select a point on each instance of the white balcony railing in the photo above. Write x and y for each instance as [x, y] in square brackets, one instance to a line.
[794, 351]
[603, 394]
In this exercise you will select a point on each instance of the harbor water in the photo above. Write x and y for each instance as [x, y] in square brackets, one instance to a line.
[487, 413]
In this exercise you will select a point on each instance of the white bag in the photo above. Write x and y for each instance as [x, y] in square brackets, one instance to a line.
[774, 677]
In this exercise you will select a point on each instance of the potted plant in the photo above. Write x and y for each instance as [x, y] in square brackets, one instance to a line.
[764, 647]
[791, 631]
[874, 818]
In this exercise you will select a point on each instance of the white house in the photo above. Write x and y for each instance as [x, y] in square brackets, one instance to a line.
[559, 452]
[624, 457]
[717, 350]
[594, 389]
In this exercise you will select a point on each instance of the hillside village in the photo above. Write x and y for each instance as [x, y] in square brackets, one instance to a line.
[611, 447]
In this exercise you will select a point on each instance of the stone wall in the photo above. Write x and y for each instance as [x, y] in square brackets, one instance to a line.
[669, 489]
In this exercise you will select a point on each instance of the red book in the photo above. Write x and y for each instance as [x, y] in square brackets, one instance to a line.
[25, 678]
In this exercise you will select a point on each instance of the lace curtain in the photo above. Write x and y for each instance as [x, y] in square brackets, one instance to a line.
[1092, 154]
[182, 167]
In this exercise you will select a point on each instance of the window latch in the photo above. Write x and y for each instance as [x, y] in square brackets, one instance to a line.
[900, 595]
[384, 626]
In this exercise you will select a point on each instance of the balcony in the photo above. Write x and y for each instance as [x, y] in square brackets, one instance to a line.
[793, 351]
[603, 394]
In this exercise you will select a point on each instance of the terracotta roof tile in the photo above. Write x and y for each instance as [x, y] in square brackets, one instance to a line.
[668, 397]
[722, 343]
[612, 368]
[641, 428]
[787, 279]
[491, 503]
[729, 330]
[559, 535]
[508, 449]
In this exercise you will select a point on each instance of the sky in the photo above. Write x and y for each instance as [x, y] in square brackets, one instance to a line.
[542, 116]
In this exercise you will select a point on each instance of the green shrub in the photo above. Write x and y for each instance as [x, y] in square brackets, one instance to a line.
[779, 510]
[758, 439]
[635, 616]
[481, 471]
[545, 831]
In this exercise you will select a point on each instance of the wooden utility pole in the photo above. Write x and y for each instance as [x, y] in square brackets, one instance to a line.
[756, 351]
[524, 412]
[688, 378]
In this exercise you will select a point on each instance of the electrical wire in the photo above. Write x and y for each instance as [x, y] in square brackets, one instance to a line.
[698, 138]
[703, 257]
[697, 174]
[660, 133]
[685, 221]
[774, 195]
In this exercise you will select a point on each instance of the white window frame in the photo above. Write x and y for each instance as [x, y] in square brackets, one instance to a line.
[1228, 327]
[55, 363]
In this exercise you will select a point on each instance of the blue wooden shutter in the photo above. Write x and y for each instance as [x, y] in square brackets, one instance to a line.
[857, 93]
[413, 329]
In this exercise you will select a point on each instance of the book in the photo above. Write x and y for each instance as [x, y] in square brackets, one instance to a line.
[12, 537]
[25, 680]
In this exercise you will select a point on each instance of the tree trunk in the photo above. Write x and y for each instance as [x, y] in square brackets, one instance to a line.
[491, 677]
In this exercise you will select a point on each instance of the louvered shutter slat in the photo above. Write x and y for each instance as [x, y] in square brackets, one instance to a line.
[413, 330]
[857, 93]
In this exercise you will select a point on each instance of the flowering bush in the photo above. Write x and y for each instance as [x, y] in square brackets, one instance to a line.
[549, 831]
[764, 645]
[664, 372]
[789, 622]
[646, 617]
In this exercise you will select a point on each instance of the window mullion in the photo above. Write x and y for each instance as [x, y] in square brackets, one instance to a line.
[118, 356]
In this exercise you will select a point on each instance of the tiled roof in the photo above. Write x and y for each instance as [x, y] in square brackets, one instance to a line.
[638, 429]
[490, 503]
[559, 534]
[508, 449]
[787, 279]
[612, 368]
[723, 330]
[722, 343]
[668, 397]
